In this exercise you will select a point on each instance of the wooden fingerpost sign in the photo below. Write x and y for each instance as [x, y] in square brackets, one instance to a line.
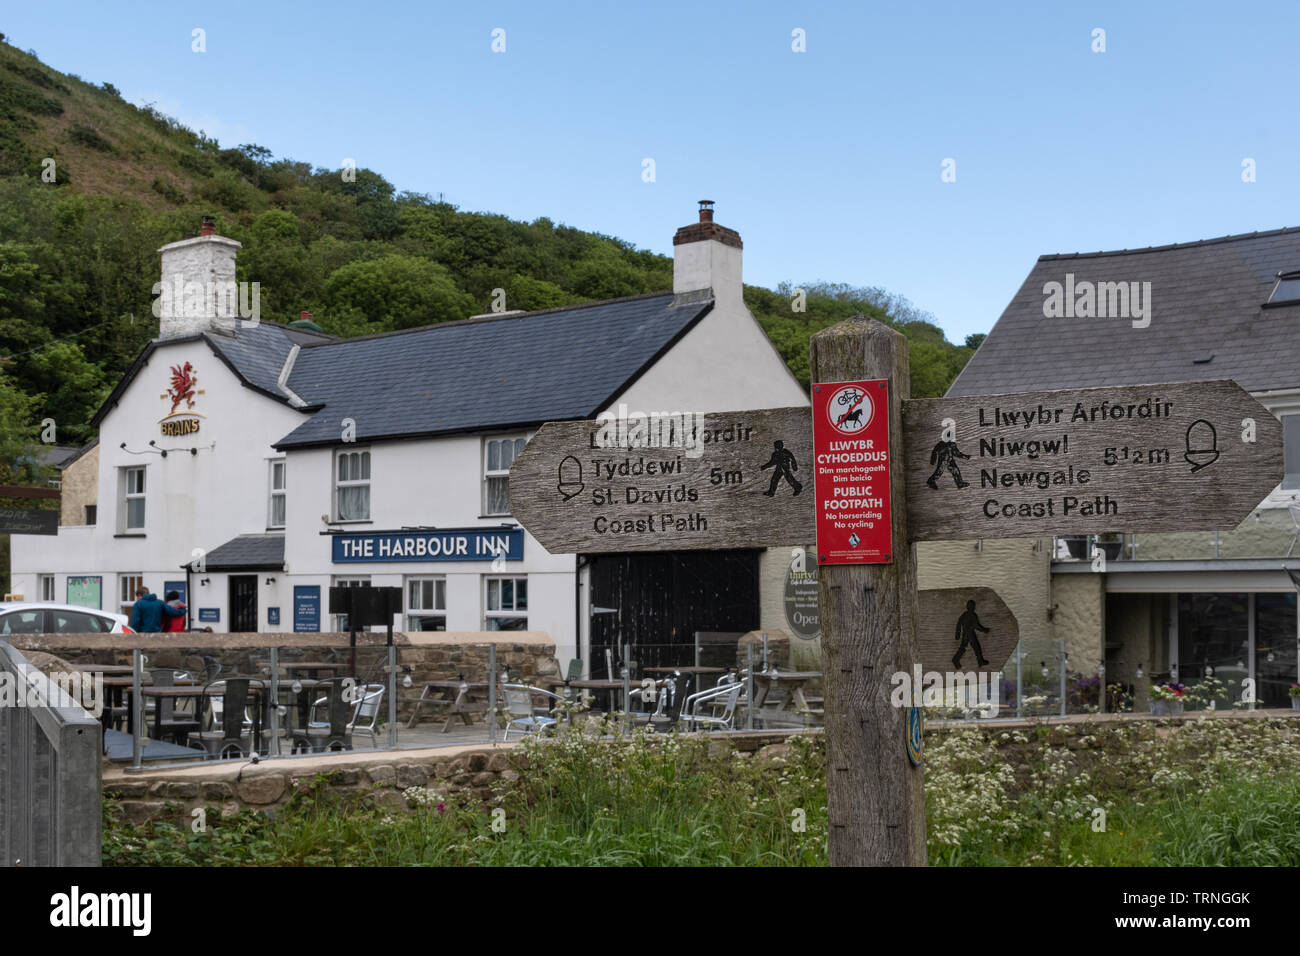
[875, 797]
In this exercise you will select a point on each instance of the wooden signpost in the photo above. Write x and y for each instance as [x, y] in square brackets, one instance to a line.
[1186, 456]
[718, 480]
[1195, 456]
[1083, 461]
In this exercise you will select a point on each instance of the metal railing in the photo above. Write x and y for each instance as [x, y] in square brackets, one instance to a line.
[50, 811]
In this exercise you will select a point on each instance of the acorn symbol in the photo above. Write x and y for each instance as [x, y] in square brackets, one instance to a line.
[570, 484]
[1202, 445]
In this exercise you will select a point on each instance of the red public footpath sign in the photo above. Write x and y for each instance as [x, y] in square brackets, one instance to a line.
[851, 472]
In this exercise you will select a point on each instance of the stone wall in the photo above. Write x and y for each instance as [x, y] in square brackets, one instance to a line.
[80, 486]
[1079, 617]
[376, 777]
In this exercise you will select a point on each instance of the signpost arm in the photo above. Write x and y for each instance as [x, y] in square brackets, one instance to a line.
[875, 797]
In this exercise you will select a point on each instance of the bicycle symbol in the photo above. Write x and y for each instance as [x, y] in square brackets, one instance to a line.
[849, 396]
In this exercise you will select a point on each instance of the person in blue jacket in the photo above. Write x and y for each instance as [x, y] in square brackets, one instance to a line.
[147, 613]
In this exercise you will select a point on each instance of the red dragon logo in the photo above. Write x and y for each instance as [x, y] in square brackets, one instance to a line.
[183, 382]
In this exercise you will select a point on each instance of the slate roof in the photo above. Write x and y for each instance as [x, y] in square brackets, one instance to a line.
[257, 352]
[1206, 300]
[263, 552]
[486, 372]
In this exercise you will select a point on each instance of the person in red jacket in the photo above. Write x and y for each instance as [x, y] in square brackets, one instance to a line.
[175, 623]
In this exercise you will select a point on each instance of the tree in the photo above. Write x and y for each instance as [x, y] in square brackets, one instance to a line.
[975, 339]
[398, 292]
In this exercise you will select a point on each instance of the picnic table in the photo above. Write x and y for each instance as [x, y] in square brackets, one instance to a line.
[795, 703]
[461, 698]
[118, 686]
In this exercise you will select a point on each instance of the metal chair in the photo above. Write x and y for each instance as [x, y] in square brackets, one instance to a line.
[171, 721]
[234, 739]
[365, 719]
[726, 696]
[520, 709]
[333, 733]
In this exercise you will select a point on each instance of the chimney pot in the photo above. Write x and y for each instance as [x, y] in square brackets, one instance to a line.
[209, 227]
[304, 316]
[706, 210]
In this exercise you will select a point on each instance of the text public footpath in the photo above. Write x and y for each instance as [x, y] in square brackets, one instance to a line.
[465, 544]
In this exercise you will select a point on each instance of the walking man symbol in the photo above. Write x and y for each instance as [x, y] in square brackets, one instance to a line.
[967, 625]
[945, 455]
[785, 465]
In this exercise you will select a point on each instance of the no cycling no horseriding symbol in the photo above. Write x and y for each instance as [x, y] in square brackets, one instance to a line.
[851, 472]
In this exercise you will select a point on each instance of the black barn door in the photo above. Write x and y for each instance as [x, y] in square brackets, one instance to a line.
[657, 602]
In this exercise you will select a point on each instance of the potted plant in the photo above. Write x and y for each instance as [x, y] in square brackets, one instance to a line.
[1167, 699]
[1078, 547]
[1294, 691]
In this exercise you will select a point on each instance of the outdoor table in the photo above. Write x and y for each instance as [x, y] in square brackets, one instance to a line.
[794, 681]
[312, 667]
[466, 702]
[104, 669]
[696, 671]
[307, 685]
[118, 686]
[611, 686]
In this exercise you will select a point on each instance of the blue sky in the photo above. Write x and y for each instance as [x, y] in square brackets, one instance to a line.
[828, 162]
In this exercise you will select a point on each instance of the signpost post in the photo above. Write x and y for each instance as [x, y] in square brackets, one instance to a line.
[866, 472]
[875, 798]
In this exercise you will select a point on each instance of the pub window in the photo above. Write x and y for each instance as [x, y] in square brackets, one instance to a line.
[341, 620]
[275, 517]
[426, 604]
[1291, 450]
[507, 604]
[47, 587]
[498, 455]
[352, 486]
[131, 514]
[129, 583]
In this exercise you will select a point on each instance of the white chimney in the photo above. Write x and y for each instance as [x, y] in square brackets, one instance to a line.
[198, 291]
[707, 256]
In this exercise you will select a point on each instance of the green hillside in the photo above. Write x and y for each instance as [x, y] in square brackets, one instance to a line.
[78, 259]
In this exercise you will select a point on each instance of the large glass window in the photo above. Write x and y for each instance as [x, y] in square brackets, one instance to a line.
[426, 604]
[498, 455]
[1275, 648]
[352, 486]
[1214, 634]
[506, 604]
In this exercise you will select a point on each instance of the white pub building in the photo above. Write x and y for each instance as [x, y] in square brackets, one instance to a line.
[251, 465]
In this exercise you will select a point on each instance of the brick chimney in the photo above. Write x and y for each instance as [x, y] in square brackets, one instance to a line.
[198, 291]
[707, 256]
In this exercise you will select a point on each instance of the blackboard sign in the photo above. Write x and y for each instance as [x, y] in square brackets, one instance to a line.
[28, 521]
[366, 606]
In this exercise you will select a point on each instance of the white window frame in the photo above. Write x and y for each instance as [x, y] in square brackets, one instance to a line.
[364, 463]
[438, 595]
[282, 493]
[499, 474]
[126, 496]
[501, 613]
[45, 587]
[341, 620]
[126, 588]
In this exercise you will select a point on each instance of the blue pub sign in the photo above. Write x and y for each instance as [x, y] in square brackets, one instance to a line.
[442, 544]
